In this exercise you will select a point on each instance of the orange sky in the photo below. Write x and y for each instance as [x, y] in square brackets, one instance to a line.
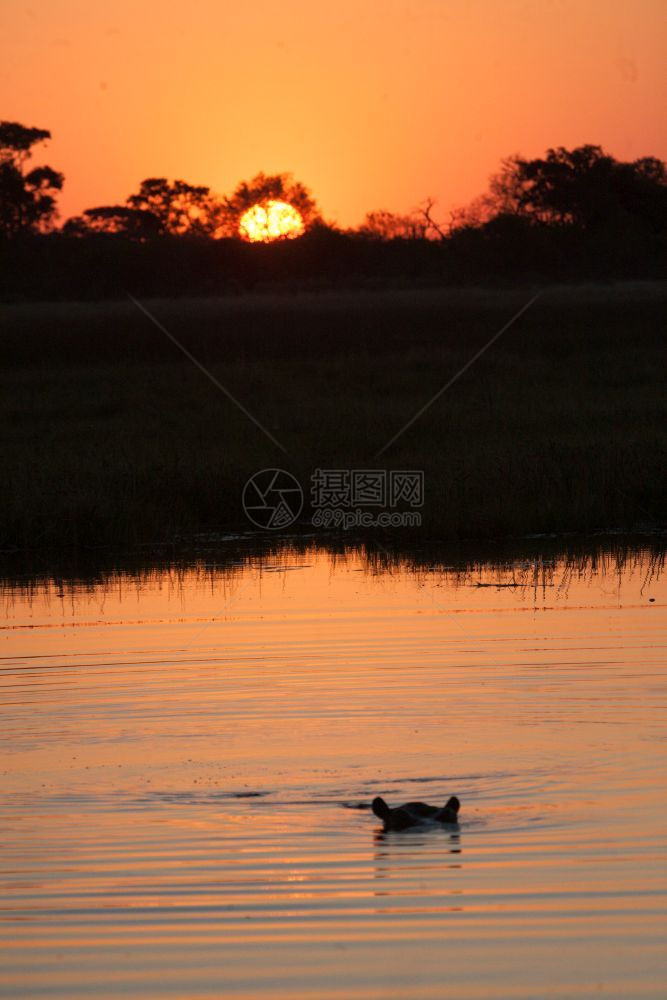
[371, 103]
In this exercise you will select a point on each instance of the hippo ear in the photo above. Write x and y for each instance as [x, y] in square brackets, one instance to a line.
[380, 807]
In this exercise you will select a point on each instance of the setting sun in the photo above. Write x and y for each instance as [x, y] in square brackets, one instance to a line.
[271, 220]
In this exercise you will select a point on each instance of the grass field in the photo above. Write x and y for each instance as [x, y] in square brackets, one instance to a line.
[110, 436]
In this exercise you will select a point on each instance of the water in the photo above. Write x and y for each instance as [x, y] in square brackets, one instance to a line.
[182, 802]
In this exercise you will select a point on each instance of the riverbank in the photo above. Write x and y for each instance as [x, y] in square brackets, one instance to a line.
[112, 436]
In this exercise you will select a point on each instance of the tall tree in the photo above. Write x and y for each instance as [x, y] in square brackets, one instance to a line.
[27, 197]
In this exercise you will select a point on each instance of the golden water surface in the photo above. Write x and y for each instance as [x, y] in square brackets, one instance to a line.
[182, 799]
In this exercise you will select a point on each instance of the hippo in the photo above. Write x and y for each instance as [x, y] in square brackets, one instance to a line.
[415, 813]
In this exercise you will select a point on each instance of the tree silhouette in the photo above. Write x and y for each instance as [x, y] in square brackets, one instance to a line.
[383, 225]
[27, 199]
[180, 208]
[262, 189]
[176, 208]
[585, 188]
[417, 225]
[132, 223]
[160, 208]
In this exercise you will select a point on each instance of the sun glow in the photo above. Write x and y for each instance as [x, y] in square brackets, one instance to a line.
[271, 220]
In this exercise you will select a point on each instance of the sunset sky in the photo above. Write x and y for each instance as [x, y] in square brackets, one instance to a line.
[371, 103]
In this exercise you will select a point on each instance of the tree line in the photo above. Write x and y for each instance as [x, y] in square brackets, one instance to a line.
[579, 207]
[28, 199]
